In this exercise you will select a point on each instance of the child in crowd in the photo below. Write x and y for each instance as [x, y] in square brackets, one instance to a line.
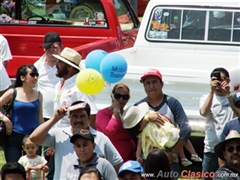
[157, 163]
[90, 173]
[83, 144]
[31, 161]
[131, 170]
[13, 170]
[153, 137]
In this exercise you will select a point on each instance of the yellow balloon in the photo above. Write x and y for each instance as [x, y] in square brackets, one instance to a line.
[90, 81]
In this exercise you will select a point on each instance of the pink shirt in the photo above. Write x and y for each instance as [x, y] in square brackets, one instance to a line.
[119, 136]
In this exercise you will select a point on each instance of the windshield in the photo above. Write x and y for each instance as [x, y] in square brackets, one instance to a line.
[192, 24]
[63, 12]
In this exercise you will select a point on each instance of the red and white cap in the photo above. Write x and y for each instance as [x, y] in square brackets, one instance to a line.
[151, 72]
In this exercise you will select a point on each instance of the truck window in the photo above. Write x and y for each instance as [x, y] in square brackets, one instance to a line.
[58, 12]
[194, 24]
[124, 17]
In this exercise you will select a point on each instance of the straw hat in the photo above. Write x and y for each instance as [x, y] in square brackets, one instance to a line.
[219, 148]
[70, 56]
[134, 114]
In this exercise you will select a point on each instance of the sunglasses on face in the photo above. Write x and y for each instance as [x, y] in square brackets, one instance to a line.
[119, 96]
[231, 148]
[34, 75]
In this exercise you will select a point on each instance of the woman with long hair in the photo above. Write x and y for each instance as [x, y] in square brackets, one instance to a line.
[26, 111]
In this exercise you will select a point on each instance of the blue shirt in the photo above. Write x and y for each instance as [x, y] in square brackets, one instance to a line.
[231, 125]
[25, 116]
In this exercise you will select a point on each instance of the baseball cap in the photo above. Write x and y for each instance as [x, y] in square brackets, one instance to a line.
[151, 72]
[236, 98]
[84, 133]
[50, 38]
[132, 166]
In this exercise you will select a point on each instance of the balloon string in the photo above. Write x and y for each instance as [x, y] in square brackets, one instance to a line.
[108, 87]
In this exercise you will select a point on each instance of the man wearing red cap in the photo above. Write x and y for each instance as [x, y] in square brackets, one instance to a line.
[167, 106]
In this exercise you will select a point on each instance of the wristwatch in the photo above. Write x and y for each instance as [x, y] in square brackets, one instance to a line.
[146, 118]
[175, 155]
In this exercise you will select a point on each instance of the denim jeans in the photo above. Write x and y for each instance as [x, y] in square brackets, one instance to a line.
[209, 164]
[13, 147]
[175, 168]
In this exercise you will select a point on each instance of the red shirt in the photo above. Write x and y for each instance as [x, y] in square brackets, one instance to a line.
[119, 136]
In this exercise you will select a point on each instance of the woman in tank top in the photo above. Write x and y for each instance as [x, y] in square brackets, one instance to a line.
[26, 111]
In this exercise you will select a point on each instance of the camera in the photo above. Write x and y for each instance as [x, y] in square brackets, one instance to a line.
[217, 74]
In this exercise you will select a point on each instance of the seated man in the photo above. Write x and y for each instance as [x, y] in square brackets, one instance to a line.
[131, 170]
[59, 138]
[229, 150]
[13, 171]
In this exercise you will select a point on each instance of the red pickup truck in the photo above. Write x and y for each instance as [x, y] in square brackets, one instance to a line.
[84, 25]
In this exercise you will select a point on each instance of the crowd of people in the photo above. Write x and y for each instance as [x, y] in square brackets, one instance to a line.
[51, 114]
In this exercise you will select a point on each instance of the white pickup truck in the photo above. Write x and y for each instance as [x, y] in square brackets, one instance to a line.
[185, 40]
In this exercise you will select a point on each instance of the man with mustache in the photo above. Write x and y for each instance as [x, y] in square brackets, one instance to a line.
[59, 138]
[229, 150]
[66, 91]
[218, 108]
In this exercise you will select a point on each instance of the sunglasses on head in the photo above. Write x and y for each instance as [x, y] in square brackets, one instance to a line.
[231, 148]
[34, 74]
[119, 96]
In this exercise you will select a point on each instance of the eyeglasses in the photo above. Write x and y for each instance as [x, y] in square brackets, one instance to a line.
[231, 148]
[119, 96]
[34, 74]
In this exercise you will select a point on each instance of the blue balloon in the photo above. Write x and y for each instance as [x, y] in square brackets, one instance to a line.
[113, 67]
[94, 59]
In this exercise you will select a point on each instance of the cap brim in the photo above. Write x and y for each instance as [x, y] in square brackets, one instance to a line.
[148, 75]
[131, 170]
[46, 44]
[66, 61]
[121, 172]
[76, 136]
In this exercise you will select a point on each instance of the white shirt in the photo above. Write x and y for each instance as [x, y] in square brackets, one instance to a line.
[220, 113]
[47, 81]
[68, 93]
[4, 79]
[5, 53]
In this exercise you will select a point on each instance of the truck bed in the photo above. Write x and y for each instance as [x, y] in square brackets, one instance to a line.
[185, 78]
